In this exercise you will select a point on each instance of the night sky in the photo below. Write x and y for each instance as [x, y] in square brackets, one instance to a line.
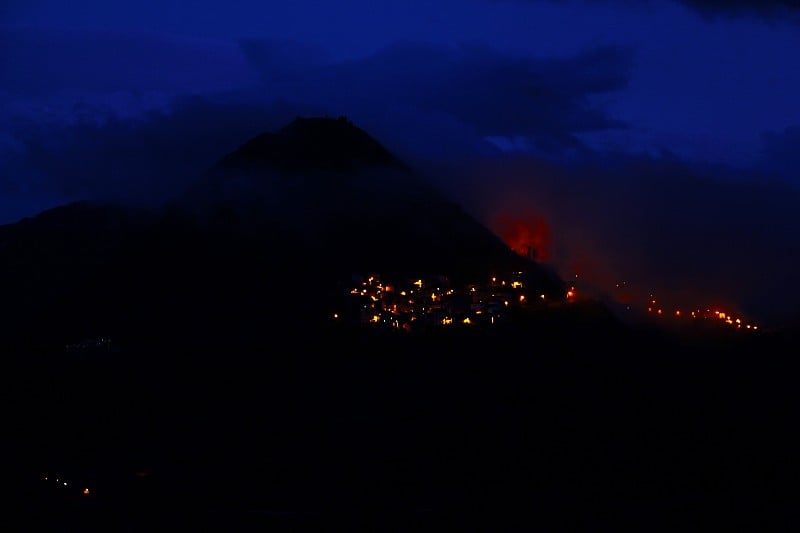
[655, 142]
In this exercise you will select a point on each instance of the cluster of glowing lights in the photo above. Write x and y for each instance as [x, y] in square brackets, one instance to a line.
[702, 314]
[65, 484]
[432, 304]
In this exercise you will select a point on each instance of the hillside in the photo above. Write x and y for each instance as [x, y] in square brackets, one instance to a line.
[265, 239]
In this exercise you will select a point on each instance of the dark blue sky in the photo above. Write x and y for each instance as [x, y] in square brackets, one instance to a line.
[658, 138]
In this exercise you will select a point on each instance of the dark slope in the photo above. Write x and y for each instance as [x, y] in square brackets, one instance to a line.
[145, 278]
[279, 222]
[356, 207]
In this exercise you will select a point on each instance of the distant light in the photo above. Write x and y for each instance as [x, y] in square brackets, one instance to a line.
[86, 491]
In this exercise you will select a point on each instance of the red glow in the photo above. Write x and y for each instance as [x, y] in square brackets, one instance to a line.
[527, 235]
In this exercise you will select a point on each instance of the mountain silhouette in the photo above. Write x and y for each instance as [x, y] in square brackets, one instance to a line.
[313, 143]
[264, 238]
[353, 205]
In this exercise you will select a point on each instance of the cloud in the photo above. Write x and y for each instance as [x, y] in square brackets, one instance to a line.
[490, 92]
[146, 161]
[766, 9]
[762, 7]
[38, 62]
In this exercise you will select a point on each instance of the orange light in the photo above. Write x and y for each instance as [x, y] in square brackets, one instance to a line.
[86, 491]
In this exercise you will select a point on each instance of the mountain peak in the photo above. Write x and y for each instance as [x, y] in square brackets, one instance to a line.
[313, 144]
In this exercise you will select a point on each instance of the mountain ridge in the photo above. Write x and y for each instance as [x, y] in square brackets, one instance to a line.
[194, 265]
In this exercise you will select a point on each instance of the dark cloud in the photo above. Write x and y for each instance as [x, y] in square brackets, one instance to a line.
[37, 62]
[145, 161]
[492, 93]
[765, 7]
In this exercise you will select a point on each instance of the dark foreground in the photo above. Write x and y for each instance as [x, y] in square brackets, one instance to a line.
[563, 424]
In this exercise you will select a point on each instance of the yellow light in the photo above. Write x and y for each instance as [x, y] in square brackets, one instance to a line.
[521, 297]
[541, 296]
[418, 283]
[466, 320]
